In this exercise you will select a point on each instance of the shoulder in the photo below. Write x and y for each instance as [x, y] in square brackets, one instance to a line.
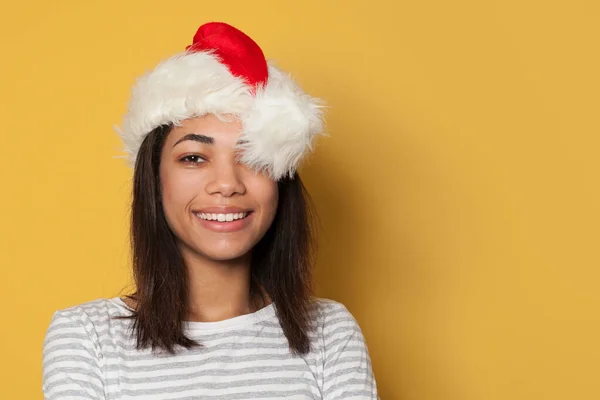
[347, 369]
[335, 323]
[79, 329]
[94, 308]
[333, 314]
[84, 320]
[72, 353]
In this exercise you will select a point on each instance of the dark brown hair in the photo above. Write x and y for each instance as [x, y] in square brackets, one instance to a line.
[281, 264]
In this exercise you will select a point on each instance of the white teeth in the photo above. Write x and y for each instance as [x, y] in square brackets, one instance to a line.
[222, 217]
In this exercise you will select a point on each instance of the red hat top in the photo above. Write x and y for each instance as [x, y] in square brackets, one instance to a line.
[242, 55]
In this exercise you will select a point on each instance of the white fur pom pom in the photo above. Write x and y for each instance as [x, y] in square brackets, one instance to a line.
[280, 129]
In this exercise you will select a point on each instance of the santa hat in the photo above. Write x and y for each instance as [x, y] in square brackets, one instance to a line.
[225, 72]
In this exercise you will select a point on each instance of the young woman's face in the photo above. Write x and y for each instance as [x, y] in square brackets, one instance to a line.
[217, 207]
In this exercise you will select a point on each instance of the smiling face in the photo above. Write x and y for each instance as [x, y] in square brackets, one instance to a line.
[217, 207]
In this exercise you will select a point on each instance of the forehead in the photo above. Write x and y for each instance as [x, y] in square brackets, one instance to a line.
[223, 128]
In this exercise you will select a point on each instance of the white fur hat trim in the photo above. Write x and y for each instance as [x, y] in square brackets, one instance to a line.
[279, 120]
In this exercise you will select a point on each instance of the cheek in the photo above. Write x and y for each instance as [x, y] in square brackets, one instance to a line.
[274, 199]
[177, 190]
[269, 197]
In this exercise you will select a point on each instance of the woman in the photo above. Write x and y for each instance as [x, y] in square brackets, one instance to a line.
[221, 245]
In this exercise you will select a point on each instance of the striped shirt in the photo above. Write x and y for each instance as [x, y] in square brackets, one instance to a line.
[90, 355]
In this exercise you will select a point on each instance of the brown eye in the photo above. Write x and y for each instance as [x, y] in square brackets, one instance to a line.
[192, 159]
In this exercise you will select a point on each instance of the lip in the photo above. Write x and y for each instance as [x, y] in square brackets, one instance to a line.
[222, 210]
[225, 226]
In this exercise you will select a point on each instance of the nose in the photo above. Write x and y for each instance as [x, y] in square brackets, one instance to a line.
[226, 180]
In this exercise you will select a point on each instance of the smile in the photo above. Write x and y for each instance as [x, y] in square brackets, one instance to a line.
[222, 217]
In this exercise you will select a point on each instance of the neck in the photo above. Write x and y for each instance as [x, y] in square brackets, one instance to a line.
[217, 290]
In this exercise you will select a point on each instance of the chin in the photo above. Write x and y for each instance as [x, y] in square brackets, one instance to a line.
[218, 248]
[222, 253]
[223, 256]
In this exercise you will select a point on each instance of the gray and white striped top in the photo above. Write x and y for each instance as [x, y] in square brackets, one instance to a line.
[89, 355]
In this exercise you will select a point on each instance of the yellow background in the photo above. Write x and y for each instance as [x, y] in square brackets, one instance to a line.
[458, 191]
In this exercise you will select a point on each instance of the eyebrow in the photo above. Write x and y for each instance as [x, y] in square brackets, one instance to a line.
[197, 138]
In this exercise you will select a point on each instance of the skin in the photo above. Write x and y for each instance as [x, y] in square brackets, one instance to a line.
[195, 176]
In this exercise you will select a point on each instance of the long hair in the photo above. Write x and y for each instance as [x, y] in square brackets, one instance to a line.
[281, 265]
